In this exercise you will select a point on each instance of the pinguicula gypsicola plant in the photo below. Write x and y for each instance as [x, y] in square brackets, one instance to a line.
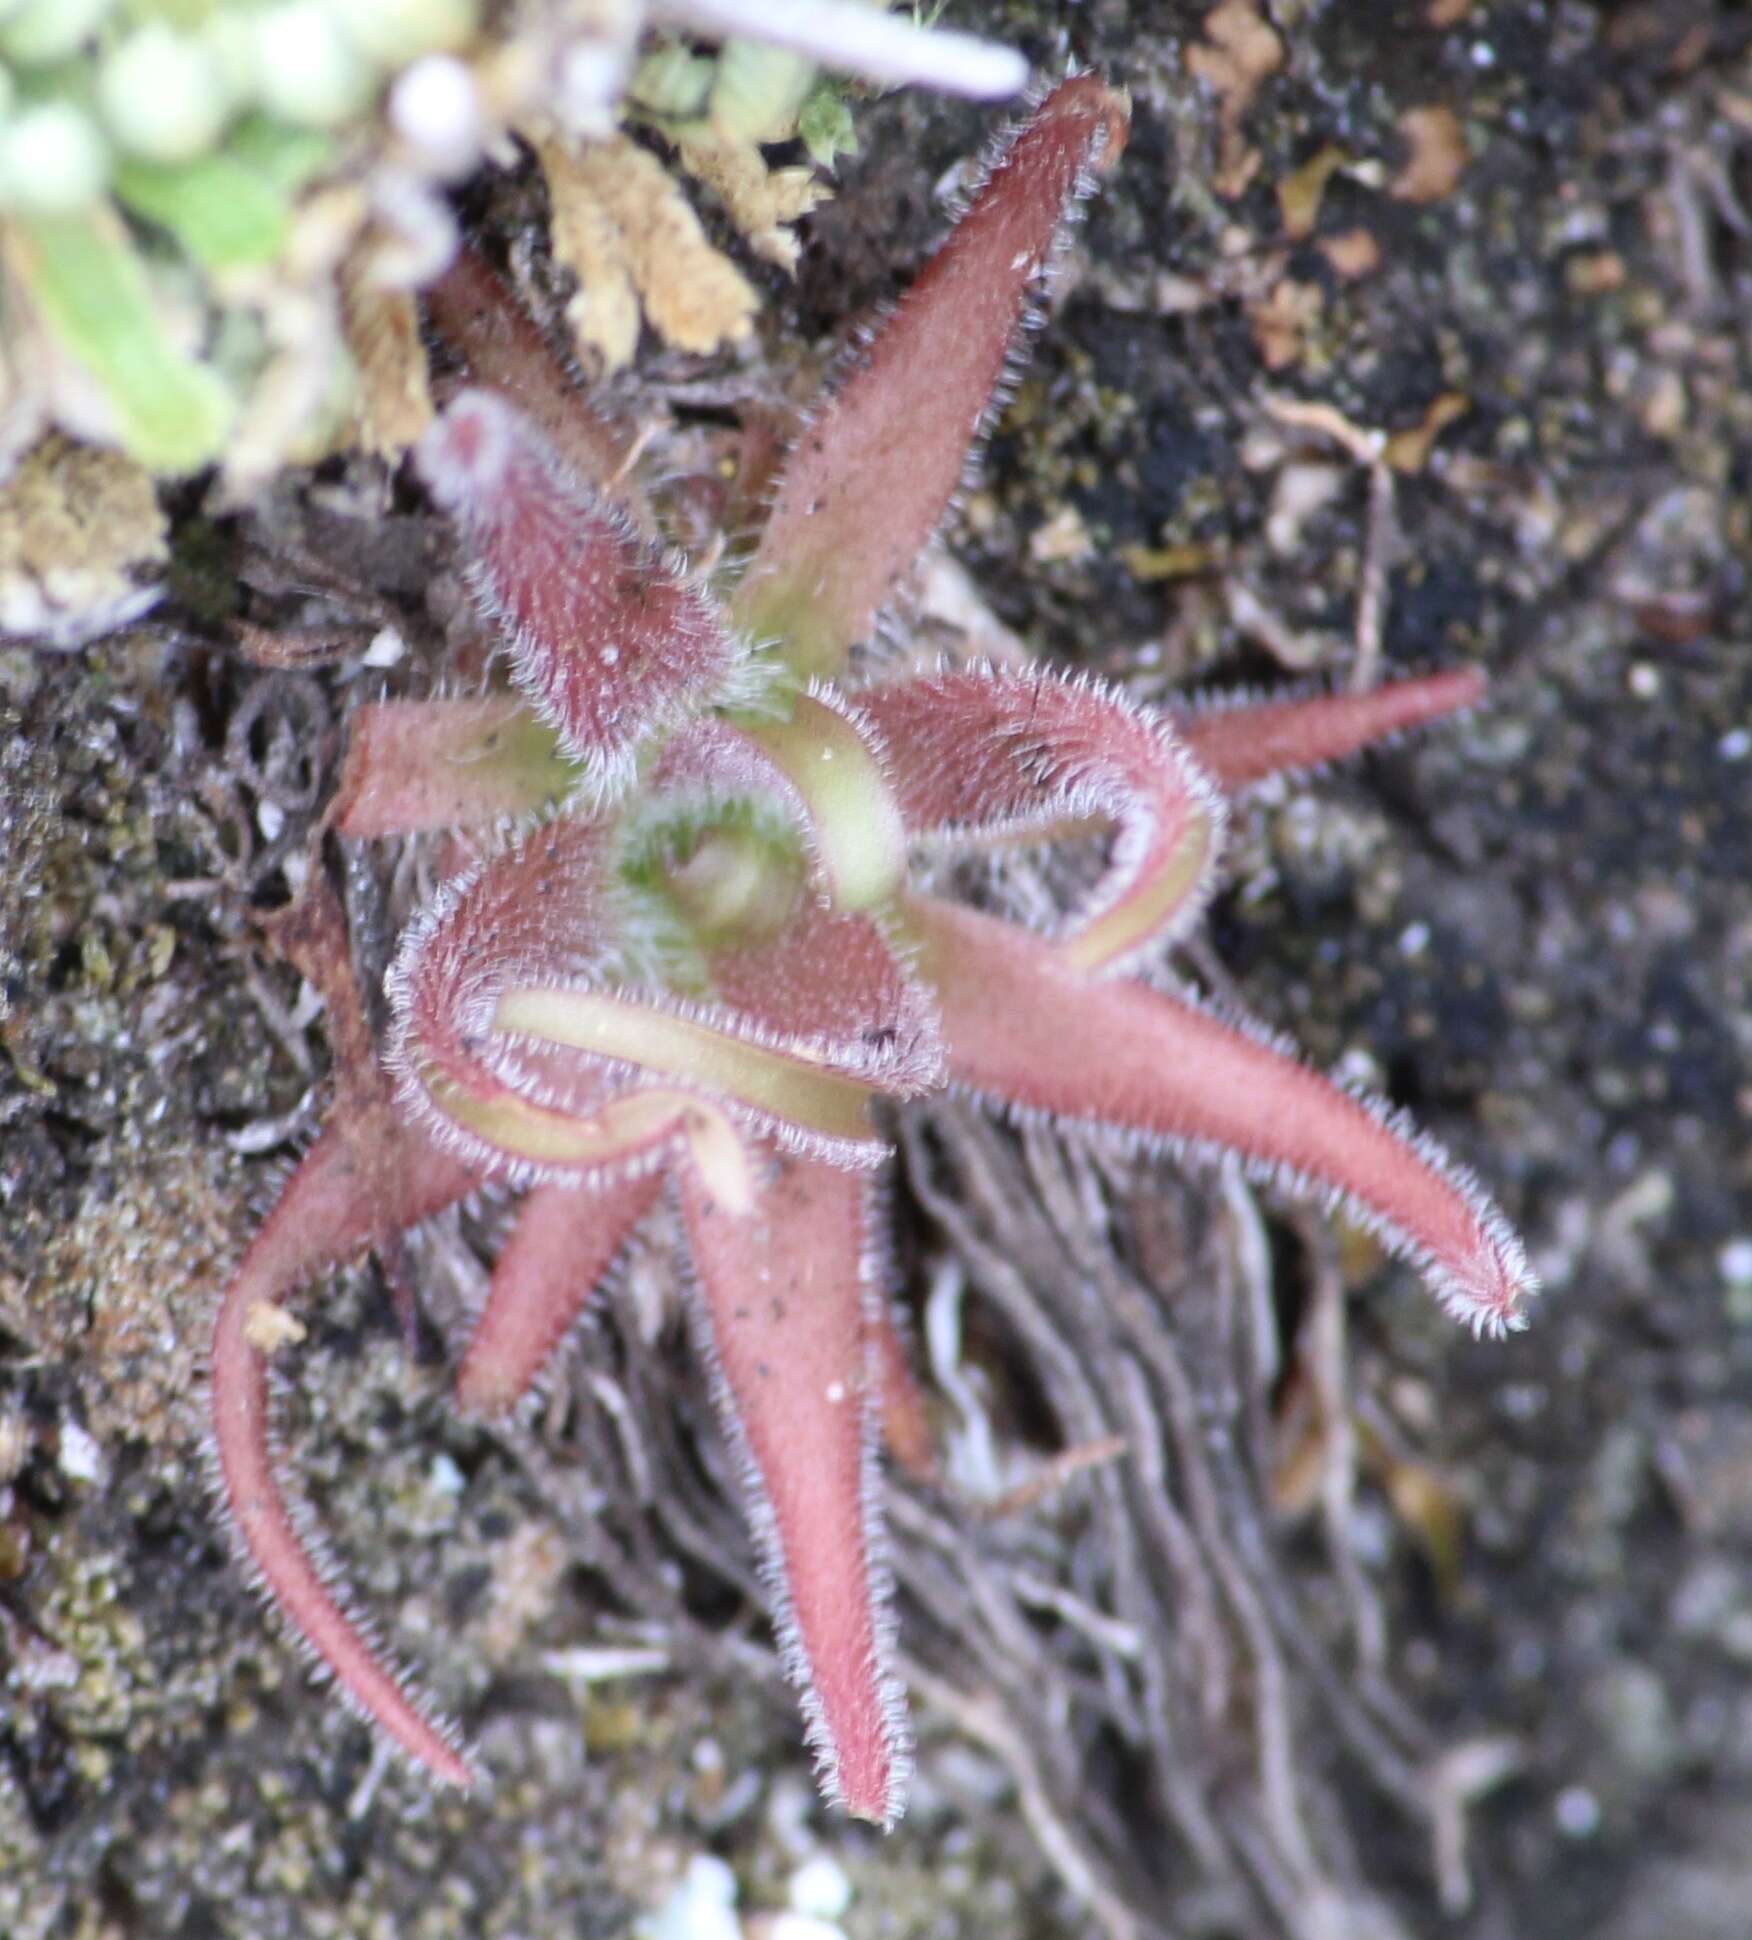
[700, 970]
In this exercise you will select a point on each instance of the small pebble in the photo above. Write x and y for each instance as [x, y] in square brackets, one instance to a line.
[702, 1907]
[1577, 1812]
[820, 1888]
[81, 1456]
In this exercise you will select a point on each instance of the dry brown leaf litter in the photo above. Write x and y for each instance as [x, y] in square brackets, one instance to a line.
[1239, 52]
[623, 226]
[382, 328]
[762, 202]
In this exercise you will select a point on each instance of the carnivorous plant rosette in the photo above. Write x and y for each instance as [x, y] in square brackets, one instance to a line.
[701, 969]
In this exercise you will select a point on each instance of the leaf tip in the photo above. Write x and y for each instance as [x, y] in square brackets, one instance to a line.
[1087, 99]
[466, 451]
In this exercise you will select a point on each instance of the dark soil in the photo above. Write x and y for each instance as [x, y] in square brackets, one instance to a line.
[1185, 1693]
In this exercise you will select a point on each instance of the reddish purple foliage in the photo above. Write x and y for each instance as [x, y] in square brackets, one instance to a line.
[700, 962]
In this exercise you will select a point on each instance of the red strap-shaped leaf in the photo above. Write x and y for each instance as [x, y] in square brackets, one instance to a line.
[987, 755]
[607, 636]
[788, 1301]
[417, 766]
[365, 1179]
[872, 475]
[1025, 1030]
[477, 313]
[1240, 745]
[349, 1192]
[565, 1240]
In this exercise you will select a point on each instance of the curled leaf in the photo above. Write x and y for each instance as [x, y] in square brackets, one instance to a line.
[528, 1030]
[998, 756]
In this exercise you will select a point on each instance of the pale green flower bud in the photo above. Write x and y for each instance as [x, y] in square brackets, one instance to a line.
[50, 30]
[307, 70]
[52, 160]
[162, 95]
[394, 32]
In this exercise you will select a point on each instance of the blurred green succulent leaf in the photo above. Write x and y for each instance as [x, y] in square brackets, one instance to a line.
[91, 291]
[285, 158]
[223, 213]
